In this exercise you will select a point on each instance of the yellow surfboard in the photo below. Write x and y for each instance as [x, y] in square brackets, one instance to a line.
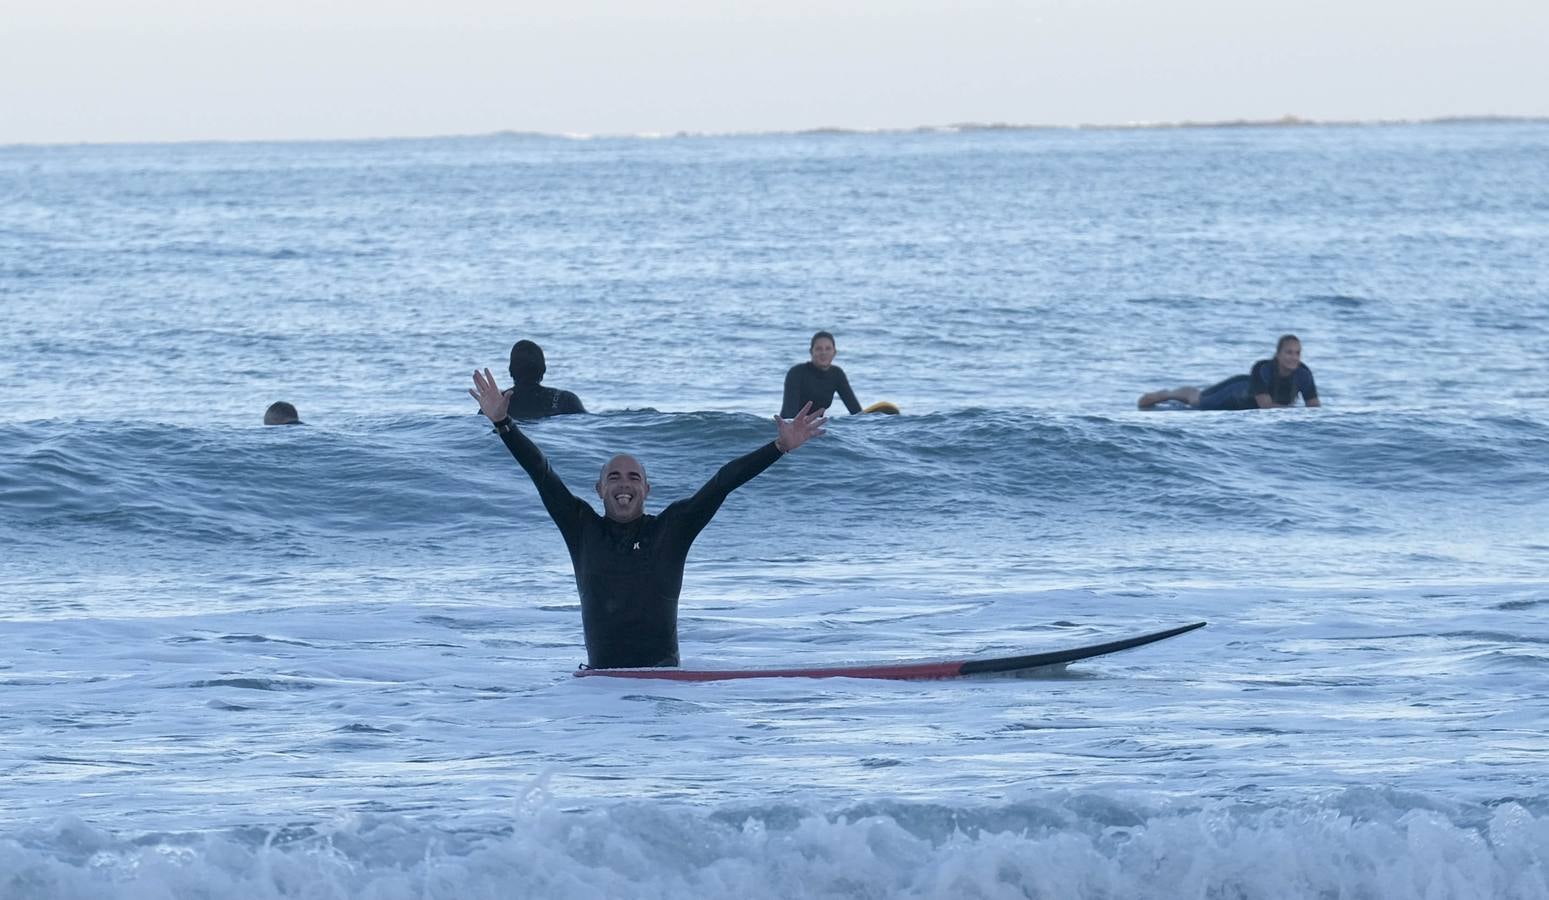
[887, 407]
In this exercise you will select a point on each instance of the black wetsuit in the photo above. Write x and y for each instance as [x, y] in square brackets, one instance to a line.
[1282, 389]
[1241, 391]
[531, 400]
[806, 381]
[629, 574]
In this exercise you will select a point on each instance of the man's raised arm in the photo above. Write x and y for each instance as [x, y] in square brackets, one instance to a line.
[792, 433]
[564, 507]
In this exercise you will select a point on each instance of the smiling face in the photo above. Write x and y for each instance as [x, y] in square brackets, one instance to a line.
[623, 488]
[1289, 356]
[823, 352]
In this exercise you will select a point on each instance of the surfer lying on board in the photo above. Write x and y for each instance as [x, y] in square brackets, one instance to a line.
[1271, 383]
[629, 565]
[815, 383]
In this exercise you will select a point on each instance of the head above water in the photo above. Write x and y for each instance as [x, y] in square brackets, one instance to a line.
[527, 363]
[623, 487]
[1288, 353]
[281, 413]
[822, 349]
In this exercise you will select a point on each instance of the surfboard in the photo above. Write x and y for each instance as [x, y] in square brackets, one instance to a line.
[887, 407]
[906, 671]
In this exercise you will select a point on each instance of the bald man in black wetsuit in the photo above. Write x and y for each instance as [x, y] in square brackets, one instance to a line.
[629, 565]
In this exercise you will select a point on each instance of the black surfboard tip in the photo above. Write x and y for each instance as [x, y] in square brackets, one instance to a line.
[1061, 657]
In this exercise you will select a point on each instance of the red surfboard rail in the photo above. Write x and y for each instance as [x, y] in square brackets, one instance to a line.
[902, 671]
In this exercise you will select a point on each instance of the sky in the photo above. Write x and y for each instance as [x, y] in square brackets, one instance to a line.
[177, 70]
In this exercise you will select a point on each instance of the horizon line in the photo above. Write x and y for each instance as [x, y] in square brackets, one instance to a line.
[1286, 121]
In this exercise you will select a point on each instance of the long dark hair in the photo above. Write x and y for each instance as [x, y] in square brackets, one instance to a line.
[1284, 338]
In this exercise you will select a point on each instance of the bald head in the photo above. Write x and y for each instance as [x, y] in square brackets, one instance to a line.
[621, 463]
[623, 487]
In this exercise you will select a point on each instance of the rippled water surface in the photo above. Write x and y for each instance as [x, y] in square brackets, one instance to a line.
[334, 660]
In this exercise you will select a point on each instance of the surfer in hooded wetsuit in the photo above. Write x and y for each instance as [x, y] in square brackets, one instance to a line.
[817, 381]
[1270, 383]
[528, 398]
[628, 564]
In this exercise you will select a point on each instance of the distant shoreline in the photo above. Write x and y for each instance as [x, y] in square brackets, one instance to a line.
[1282, 122]
[1288, 121]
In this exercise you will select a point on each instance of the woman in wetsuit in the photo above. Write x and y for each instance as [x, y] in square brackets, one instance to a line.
[817, 381]
[1270, 383]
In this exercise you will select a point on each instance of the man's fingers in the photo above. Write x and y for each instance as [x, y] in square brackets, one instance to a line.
[484, 381]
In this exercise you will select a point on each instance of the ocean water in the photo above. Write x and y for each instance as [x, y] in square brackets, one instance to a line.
[334, 661]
